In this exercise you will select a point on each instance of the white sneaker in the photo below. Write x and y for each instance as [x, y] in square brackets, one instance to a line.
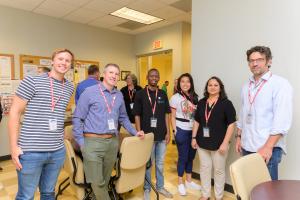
[181, 189]
[192, 185]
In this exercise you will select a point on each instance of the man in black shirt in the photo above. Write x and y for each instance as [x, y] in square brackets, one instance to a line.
[151, 110]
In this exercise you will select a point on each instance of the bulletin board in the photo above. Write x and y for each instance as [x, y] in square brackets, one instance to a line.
[78, 72]
[29, 64]
[81, 69]
[7, 67]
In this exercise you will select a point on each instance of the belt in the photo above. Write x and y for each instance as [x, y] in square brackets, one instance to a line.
[95, 135]
[182, 120]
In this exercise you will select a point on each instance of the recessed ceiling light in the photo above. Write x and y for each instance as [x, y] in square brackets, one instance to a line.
[134, 15]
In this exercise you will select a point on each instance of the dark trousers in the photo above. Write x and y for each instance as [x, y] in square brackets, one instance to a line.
[186, 153]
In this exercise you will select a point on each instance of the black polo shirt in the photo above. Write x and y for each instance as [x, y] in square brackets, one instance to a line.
[128, 101]
[142, 107]
[222, 115]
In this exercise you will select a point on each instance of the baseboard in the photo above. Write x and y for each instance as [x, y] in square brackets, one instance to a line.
[228, 188]
[3, 158]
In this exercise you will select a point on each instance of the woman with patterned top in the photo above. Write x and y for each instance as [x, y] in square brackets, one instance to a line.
[183, 105]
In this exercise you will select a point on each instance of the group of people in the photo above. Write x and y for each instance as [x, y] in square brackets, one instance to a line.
[200, 124]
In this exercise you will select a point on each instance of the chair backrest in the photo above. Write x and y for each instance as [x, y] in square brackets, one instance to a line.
[247, 172]
[135, 153]
[71, 162]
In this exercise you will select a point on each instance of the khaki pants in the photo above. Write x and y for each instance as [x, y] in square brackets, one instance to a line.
[209, 159]
[99, 157]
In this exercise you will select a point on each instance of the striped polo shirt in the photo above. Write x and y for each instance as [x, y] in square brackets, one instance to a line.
[35, 134]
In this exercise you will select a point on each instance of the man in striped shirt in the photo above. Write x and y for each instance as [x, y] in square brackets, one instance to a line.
[38, 151]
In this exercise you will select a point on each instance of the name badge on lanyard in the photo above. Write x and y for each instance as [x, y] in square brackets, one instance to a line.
[131, 105]
[130, 94]
[153, 120]
[110, 121]
[206, 132]
[52, 125]
[111, 124]
[249, 117]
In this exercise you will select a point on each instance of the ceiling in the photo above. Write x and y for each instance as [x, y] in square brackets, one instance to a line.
[97, 12]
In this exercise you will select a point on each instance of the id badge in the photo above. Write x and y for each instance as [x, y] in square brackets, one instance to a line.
[52, 125]
[131, 105]
[111, 124]
[206, 132]
[153, 122]
[249, 118]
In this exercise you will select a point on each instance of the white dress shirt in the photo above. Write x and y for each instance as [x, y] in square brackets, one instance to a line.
[271, 111]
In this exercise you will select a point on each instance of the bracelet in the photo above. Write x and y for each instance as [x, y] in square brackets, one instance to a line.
[237, 136]
[193, 137]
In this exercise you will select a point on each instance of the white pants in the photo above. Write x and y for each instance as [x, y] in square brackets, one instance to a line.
[209, 159]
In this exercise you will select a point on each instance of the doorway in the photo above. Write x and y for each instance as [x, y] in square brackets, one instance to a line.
[161, 61]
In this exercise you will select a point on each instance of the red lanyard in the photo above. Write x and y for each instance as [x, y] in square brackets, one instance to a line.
[53, 102]
[152, 107]
[130, 93]
[251, 100]
[109, 109]
[207, 114]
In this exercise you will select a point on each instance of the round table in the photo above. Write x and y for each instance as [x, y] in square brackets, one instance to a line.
[276, 190]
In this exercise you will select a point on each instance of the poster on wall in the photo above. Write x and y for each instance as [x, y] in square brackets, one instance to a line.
[70, 75]
[29, 69]
[5, 68]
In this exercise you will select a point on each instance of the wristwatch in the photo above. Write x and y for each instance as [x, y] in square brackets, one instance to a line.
[193, 137]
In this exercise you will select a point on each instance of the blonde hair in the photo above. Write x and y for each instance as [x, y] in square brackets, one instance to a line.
[58, 51]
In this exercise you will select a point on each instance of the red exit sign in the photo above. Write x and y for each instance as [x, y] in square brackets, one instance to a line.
[157, 44]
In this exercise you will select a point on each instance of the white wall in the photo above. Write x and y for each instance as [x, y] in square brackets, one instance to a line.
[23, 32]
[222, 31]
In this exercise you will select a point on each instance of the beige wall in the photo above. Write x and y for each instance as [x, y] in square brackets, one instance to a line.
[174, 37]
[23, 32]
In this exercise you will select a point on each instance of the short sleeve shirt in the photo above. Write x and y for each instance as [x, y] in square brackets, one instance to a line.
[35, 134]
[222, 115]
[185, 111]
[143, 108]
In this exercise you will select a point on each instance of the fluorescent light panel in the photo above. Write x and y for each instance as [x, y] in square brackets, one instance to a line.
[136, 16]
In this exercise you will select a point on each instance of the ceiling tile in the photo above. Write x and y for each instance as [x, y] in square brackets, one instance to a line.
[169, 1]
[54, 8]
[122, 2]
[21, 4]
[146, 6]
[103, 6]
[131, 25]
[182, 18]
[84, 15]
[107, 21]
[184, 5]
[75, 2]
[167, 12]
[120, 29]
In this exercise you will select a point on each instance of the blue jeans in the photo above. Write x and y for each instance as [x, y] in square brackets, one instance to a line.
[39, 169]
[273, 162]
[157, 155]
[186, 153]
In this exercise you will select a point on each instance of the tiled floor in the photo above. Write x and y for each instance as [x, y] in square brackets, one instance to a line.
[9, 179]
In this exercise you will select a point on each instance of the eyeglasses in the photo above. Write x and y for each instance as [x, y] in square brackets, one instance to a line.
[258, 60]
